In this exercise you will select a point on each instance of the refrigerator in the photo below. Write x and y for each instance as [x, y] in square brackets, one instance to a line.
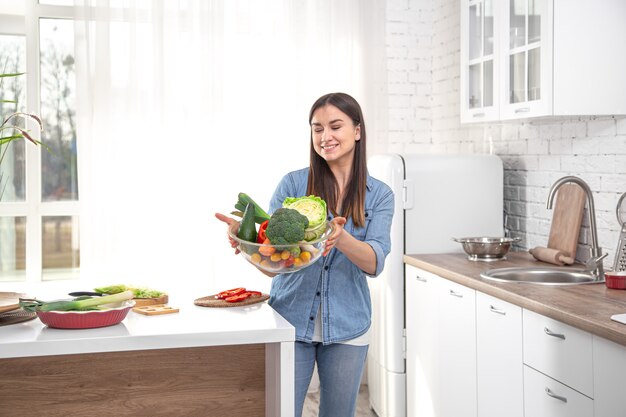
[437, 197]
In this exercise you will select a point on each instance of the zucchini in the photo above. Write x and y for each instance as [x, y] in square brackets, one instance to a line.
[247, 228]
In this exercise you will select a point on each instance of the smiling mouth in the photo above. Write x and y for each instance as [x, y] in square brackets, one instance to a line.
[329, 147]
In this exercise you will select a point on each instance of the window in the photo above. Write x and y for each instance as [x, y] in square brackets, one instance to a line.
[39, 202]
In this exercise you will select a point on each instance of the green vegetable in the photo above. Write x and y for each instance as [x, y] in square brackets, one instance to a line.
[286, 227]
[243, 200]
[146, 293]
[314, 208]
[247, 228]
[139, 292]
[76, 304]
[112, 289]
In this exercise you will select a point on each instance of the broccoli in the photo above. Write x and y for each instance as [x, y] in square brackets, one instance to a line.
[286, 226]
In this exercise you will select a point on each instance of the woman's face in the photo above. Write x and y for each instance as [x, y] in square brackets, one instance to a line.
[334, 134]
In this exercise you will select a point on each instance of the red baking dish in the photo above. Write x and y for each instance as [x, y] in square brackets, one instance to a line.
[86, 319]
[615, 280]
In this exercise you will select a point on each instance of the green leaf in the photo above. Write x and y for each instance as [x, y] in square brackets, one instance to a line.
[15, 74]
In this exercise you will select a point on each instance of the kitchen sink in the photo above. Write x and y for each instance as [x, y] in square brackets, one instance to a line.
[542, 276]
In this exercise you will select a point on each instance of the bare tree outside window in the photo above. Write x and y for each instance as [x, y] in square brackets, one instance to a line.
[58, 110]
[60, 244]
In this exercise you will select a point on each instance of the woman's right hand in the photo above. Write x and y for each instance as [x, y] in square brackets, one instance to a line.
[229, 221]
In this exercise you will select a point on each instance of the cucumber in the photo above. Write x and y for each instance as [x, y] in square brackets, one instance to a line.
[247, 228]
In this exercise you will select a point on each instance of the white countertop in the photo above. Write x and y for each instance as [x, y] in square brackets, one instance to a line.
[193, 326]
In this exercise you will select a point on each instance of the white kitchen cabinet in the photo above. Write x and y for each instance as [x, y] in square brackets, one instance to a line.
[558, 350]
[457, 350]
[500, 378]
[545, 397]
[441, 346]
[421, 342]
[609, 374]
[551, 57]
[527, 56]
[479, 61]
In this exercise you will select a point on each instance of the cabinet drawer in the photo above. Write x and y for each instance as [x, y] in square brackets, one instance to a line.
[559, 351]
[545, 397]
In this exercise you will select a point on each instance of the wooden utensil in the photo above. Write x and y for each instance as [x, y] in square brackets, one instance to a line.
[9, 301]
[140, 302]
[153, 310]
[566, 219]
[552, 256]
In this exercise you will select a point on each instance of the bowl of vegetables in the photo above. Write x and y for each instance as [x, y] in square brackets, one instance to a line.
[281, 259]
[88, 319]
[84, 312]
[289, 240]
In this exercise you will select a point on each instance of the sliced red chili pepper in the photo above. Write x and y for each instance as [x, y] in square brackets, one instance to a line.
[260, 237]
[255, 293]
[238, 297]
[230, 293]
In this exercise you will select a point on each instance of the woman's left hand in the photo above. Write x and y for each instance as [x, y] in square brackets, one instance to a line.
[338, 222]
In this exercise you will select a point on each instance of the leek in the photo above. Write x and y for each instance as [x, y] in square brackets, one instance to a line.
[76, 304]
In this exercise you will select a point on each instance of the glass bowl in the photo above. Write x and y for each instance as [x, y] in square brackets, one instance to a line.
[282, 259]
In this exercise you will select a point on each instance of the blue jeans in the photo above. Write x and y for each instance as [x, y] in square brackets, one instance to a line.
[339, 368]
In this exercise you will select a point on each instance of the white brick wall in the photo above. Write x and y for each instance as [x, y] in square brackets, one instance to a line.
[423, 39]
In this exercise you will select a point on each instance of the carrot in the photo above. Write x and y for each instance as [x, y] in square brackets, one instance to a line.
[267, 249]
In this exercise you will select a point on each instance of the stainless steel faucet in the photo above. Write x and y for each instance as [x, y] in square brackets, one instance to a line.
[595, 261]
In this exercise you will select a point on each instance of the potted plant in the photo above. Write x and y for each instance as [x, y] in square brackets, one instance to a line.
[14, 131]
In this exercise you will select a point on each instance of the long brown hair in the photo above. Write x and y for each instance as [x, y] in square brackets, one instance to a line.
[323, 183]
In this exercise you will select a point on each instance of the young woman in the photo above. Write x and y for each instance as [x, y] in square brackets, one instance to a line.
[329, 302]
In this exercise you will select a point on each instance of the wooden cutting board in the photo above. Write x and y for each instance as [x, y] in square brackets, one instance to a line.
[140, 302]
[566, 219]
[155, 310]
[213, 301]
[9, 301]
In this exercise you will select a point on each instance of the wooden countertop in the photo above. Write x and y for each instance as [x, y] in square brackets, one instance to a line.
[588, 307]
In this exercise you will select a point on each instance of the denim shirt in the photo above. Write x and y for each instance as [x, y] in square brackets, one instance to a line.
[333, 283]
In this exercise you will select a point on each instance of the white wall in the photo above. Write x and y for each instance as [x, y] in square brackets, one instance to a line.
[423, 43]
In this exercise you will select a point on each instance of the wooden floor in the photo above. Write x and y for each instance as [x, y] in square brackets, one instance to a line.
[311, 404]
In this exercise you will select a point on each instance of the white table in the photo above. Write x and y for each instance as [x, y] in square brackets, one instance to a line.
[192, 327]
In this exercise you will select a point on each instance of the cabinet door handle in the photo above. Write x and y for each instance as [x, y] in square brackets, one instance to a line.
[478, 115]
[497, 310]
[456, 294]
[420, 279]
[522, 110]
[553, 395]
[551, 333]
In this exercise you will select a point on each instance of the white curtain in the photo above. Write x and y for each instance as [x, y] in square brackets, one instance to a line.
[184, 104]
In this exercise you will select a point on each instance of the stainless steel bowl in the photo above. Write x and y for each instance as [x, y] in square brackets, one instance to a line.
[484, 248]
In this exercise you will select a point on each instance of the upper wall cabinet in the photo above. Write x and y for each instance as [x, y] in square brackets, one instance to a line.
[550, 57]
[479, 61]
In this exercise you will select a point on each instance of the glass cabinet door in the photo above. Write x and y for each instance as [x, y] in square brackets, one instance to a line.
[527, 78]
[478, 57]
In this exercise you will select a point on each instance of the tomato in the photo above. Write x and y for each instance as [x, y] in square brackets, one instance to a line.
[286, 263]
[260, 237]
[230, 293]
[238, 297]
